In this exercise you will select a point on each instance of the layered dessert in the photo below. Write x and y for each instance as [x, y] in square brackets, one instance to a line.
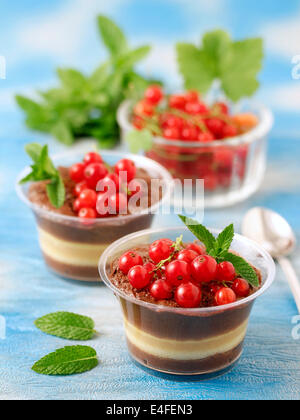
[186, 306]
[74, 233]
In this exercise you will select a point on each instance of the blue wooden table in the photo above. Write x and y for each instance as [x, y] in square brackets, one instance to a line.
[270, 365]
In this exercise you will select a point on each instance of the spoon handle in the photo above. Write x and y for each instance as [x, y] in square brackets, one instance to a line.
[292, 279]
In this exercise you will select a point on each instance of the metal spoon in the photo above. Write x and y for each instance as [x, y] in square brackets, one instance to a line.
[275, 235]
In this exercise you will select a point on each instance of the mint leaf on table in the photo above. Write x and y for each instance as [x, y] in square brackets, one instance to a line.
[43, 169]
[201, 233]
[243, 268]
[67, 361]
[67, 325]
[139, 140]
[234, 64]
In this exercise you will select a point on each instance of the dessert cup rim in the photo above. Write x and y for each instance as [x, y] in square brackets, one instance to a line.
[192, 311]
[266, 121]
[166, 176]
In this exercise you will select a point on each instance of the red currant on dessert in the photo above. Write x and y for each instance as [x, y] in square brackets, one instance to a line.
[110, 183]
[138, 277]
[144, 108]
[214, 288]
[77, 172]
[87, 213]
[161, 289]
[81, 186]
[161, 250]
[92, 157]
[204, 269]
[225, 272]
[196, 248]
[187, 255]
[178, 272]
[128, 260]
[118, 203]
[88, 199]
[94, 173]
[225, 296]
[151, 269]
[128, 166]
[77, 205]
[241, 287]
[188, 295]
[154, 94]
[102, 205]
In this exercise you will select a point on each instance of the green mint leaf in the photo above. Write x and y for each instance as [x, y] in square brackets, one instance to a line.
[194, 67]
[129, 59]
[112, 36]
[240, 68]
[214, 45]
[224, 241]
[72, 79]
[67, 325]
[139, 140]
[201, 232]
[243, 268]
[34, 151]
[56, 192]
[99, 76]
[62, 131]
[67, 361]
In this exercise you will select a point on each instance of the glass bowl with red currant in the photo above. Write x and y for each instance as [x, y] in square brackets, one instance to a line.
[186, 295]
[194, 139]
[83, 202]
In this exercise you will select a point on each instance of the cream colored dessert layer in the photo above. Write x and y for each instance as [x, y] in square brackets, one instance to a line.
[185, 350]
[67, 252]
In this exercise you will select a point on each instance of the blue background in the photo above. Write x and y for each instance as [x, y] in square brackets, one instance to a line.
[35, 40]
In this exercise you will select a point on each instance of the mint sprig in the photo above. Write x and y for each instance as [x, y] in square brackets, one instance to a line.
[43, 169]
[234, 64]
[219, 248]
[67, 361]
[67, 325]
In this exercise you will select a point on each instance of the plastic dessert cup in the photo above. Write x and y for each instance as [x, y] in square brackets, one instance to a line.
[71, 246]
[232, 169]
[182, 341]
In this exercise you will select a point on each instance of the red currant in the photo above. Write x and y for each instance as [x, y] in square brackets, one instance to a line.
[178, 272]
[204, 269]
[215, 126]
[177, 102]
[221, 107]
[154, 94]
[128, 260]
[171, 133]
[161, 289]
[187, 255]
[190, 133]
[229, 131]
[88, 199]
[77, 205]
[92, 157]
[138, 277]
[160, 250]
[195, 108]
[76, 172]
[192, 96]
[128, 166]
[225, 272]
[143, 108]
[80, 187]
[206, 137]
[151, 269]
[196, 248]
[225, 296]
[94, 173]
[87, 213]
[102, 205]
[110, 183]
[241, 287]
[214, 288]
[188, 295]
[118, 204]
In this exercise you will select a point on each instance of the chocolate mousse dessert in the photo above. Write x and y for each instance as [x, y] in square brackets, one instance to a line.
[76, 220]
[175, 298]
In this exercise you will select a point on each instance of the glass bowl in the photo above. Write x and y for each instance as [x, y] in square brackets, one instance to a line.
[71, 246]
[182, 341]
[232, 169]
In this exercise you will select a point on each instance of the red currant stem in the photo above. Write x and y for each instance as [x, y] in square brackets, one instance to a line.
[194, 119]
[151, 124]
[177, 247]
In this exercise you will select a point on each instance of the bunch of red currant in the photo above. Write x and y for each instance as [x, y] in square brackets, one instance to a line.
[182, 275]
[88, 173]
[183, 117]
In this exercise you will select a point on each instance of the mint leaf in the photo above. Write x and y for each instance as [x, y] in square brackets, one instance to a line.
[62, 131]
[224, 241]
[112, 36]
[214, 45]
[201, 232]
[129, 59]
[67, 325]
[139, 140]
[34, 151]
[67, 361]
[242, 268]
[194, 67]
[56, 192]
[71, 78]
